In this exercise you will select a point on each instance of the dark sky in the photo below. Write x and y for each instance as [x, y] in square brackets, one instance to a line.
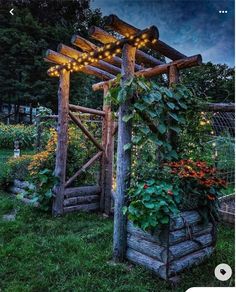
[190, 26]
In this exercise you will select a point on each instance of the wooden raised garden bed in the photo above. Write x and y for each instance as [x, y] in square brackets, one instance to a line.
[183, 243]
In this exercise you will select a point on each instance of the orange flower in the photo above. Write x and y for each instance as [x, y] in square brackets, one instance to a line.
[211, 198]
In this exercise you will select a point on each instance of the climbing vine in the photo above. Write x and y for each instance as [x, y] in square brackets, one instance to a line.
[155, 111]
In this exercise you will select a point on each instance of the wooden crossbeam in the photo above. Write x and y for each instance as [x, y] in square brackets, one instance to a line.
[83, 109]
[75, 54]
[61, 60]
[88, 46]
[160, 69]
[125, 29]
[83, 168]
[78, 122]
[106, 38]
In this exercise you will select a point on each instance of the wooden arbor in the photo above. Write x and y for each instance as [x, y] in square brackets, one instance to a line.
[111, 57]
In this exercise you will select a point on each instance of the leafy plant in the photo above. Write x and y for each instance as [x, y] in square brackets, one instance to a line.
[15, 168]
[42, 193]
[155, 111]
[10, 133]
[151, 203]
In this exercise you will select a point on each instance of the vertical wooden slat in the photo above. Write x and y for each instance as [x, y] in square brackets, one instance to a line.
[107, 159]
[62, 140]
[123, 160]
[173, 76]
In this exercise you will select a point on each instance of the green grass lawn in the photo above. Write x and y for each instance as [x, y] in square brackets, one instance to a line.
[73, 253]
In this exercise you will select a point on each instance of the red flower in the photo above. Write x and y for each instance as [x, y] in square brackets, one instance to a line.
[169, 192]
[145, 186]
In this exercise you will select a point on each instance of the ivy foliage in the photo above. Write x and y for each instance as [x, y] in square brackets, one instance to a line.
[155, 111]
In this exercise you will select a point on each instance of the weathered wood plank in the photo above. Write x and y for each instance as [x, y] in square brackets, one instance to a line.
[147, 262]
[124, 28]
[189, 246]
[82, 191]
[75, 54]
[105, 38]
[184, 219]
[82, 109]
[147, 248]
[80, 200]
[160, 69]
[85, 208]
[62, 141]
[161, 236]
[190, 260]
[123, 160]
[88, 46]
[84, 168]
[107, 159]
[78, 122]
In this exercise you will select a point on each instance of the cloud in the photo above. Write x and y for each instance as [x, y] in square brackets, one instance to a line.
[188, 25]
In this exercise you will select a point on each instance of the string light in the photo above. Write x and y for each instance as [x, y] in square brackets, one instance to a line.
[93, 57]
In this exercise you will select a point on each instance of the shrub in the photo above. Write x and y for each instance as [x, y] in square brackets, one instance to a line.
[10, 133]
[15, 168]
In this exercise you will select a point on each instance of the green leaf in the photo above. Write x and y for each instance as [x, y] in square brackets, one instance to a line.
[174, 116]
[166, 91]
[140, 106]
[122, 95]
[171, 105]
[183, 105]
[176, 129]
[136, 139]
[149, 205]
[127, 146]
[161, 128]
[156, 95]
[126, 118]
[148, 99]
[125, 210]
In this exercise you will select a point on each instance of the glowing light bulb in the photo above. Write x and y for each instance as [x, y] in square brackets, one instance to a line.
[108, 46]
[107, 53]
[144, 36]
[118, 50]
[91, 53]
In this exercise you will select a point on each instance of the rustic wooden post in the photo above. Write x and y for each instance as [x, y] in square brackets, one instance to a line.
[173, 75]
[107, 159]
[62, 132]
[123, 159]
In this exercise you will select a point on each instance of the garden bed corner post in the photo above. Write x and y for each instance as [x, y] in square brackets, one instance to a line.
[123, 159]
[62, 140]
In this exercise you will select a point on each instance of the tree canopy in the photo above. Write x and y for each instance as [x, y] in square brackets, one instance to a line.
[35, 27]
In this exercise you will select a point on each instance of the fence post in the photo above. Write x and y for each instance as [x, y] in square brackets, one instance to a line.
[123, 160]
[62, 140]
[107, 158]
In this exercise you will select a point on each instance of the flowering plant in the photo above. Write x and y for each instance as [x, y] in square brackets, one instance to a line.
[151, 203]
[200, 184]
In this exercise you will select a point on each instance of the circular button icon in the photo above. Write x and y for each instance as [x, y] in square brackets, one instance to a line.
[223, 272]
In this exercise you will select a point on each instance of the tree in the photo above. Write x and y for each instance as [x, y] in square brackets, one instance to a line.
[212, 81]
[35, 27]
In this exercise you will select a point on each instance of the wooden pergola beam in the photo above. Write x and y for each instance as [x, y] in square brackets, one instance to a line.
[88, 46]
[75, 54]
[125, 29]
[61, 59]
[105, 38]
[161, 69]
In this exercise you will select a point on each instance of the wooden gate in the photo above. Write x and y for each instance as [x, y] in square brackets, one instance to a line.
[83, 198]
